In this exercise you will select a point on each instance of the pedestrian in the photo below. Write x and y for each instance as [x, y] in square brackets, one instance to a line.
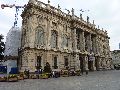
[53, 74]
[40, 71]
[86, 72]
[82, 70]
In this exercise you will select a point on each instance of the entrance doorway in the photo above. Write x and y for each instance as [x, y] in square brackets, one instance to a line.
[81, 63]
[55, 63]
[38, 62]
[90, 65]
[66, 62]
[96, 63]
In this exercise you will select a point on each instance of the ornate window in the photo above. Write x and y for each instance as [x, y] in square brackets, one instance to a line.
[53, 39]
[65, 41]
[40, 36]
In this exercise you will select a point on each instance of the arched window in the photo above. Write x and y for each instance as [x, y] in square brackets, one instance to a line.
[53, 39]
[40, 36]
[65, 41]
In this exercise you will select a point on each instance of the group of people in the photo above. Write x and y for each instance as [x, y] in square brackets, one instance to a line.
[47, 69]
[54, 74]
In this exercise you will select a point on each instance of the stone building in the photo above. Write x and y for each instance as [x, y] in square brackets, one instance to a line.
[62, 39]
[115, 57]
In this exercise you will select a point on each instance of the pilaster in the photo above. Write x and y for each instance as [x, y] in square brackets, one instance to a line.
[86, 62]
[82, 42]
[74, 40]
[48, 35]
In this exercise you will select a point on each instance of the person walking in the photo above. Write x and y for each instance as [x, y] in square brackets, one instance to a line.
[82, 70]
[86, 71]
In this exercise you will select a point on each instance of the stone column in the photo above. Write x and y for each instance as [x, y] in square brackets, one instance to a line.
[48, 35]
[99, 63]
[82, 42]
[77, 62]
[94, 45]
[60, 61]
[59, 38]
[91, 51]
[86, 62]
[74, 40]
[89, 43]
[94, 68]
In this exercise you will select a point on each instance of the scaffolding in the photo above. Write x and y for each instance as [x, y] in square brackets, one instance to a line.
[13, 42]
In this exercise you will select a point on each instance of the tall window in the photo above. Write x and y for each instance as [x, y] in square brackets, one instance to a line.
[53, 39]
[65, 41]
[40, 36]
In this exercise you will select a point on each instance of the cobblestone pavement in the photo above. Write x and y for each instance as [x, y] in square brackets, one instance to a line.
[98, 80]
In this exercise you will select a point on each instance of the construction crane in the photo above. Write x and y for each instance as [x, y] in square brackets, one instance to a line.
[17, 9]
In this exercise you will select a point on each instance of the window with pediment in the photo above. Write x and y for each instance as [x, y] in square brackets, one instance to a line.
[40, 36]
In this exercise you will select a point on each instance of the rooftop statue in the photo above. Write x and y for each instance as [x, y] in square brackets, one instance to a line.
[72, 11]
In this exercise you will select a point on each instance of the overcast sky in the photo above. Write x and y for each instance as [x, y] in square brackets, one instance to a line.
[106, 14]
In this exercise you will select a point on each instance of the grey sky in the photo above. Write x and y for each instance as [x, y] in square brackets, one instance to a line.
[105, 13]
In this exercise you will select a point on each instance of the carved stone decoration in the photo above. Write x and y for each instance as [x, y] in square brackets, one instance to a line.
[40, 20]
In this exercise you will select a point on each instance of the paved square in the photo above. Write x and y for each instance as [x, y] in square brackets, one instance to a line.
[98, 80]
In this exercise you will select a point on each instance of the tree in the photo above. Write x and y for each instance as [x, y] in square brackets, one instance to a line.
[2, 47]
[47, 68]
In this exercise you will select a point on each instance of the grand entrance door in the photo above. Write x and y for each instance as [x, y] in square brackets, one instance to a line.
[90, 65]
[66, 62]
[91, 60]
[81, 63]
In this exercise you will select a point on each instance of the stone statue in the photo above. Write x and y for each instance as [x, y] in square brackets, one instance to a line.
[48, 1]
[80, 16]
[72, 11]
[93, 22]
[87, 19]
[68, 11]
[59, 6]
[98, 26]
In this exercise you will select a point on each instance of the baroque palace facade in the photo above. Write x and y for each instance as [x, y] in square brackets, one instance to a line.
[63, 40]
